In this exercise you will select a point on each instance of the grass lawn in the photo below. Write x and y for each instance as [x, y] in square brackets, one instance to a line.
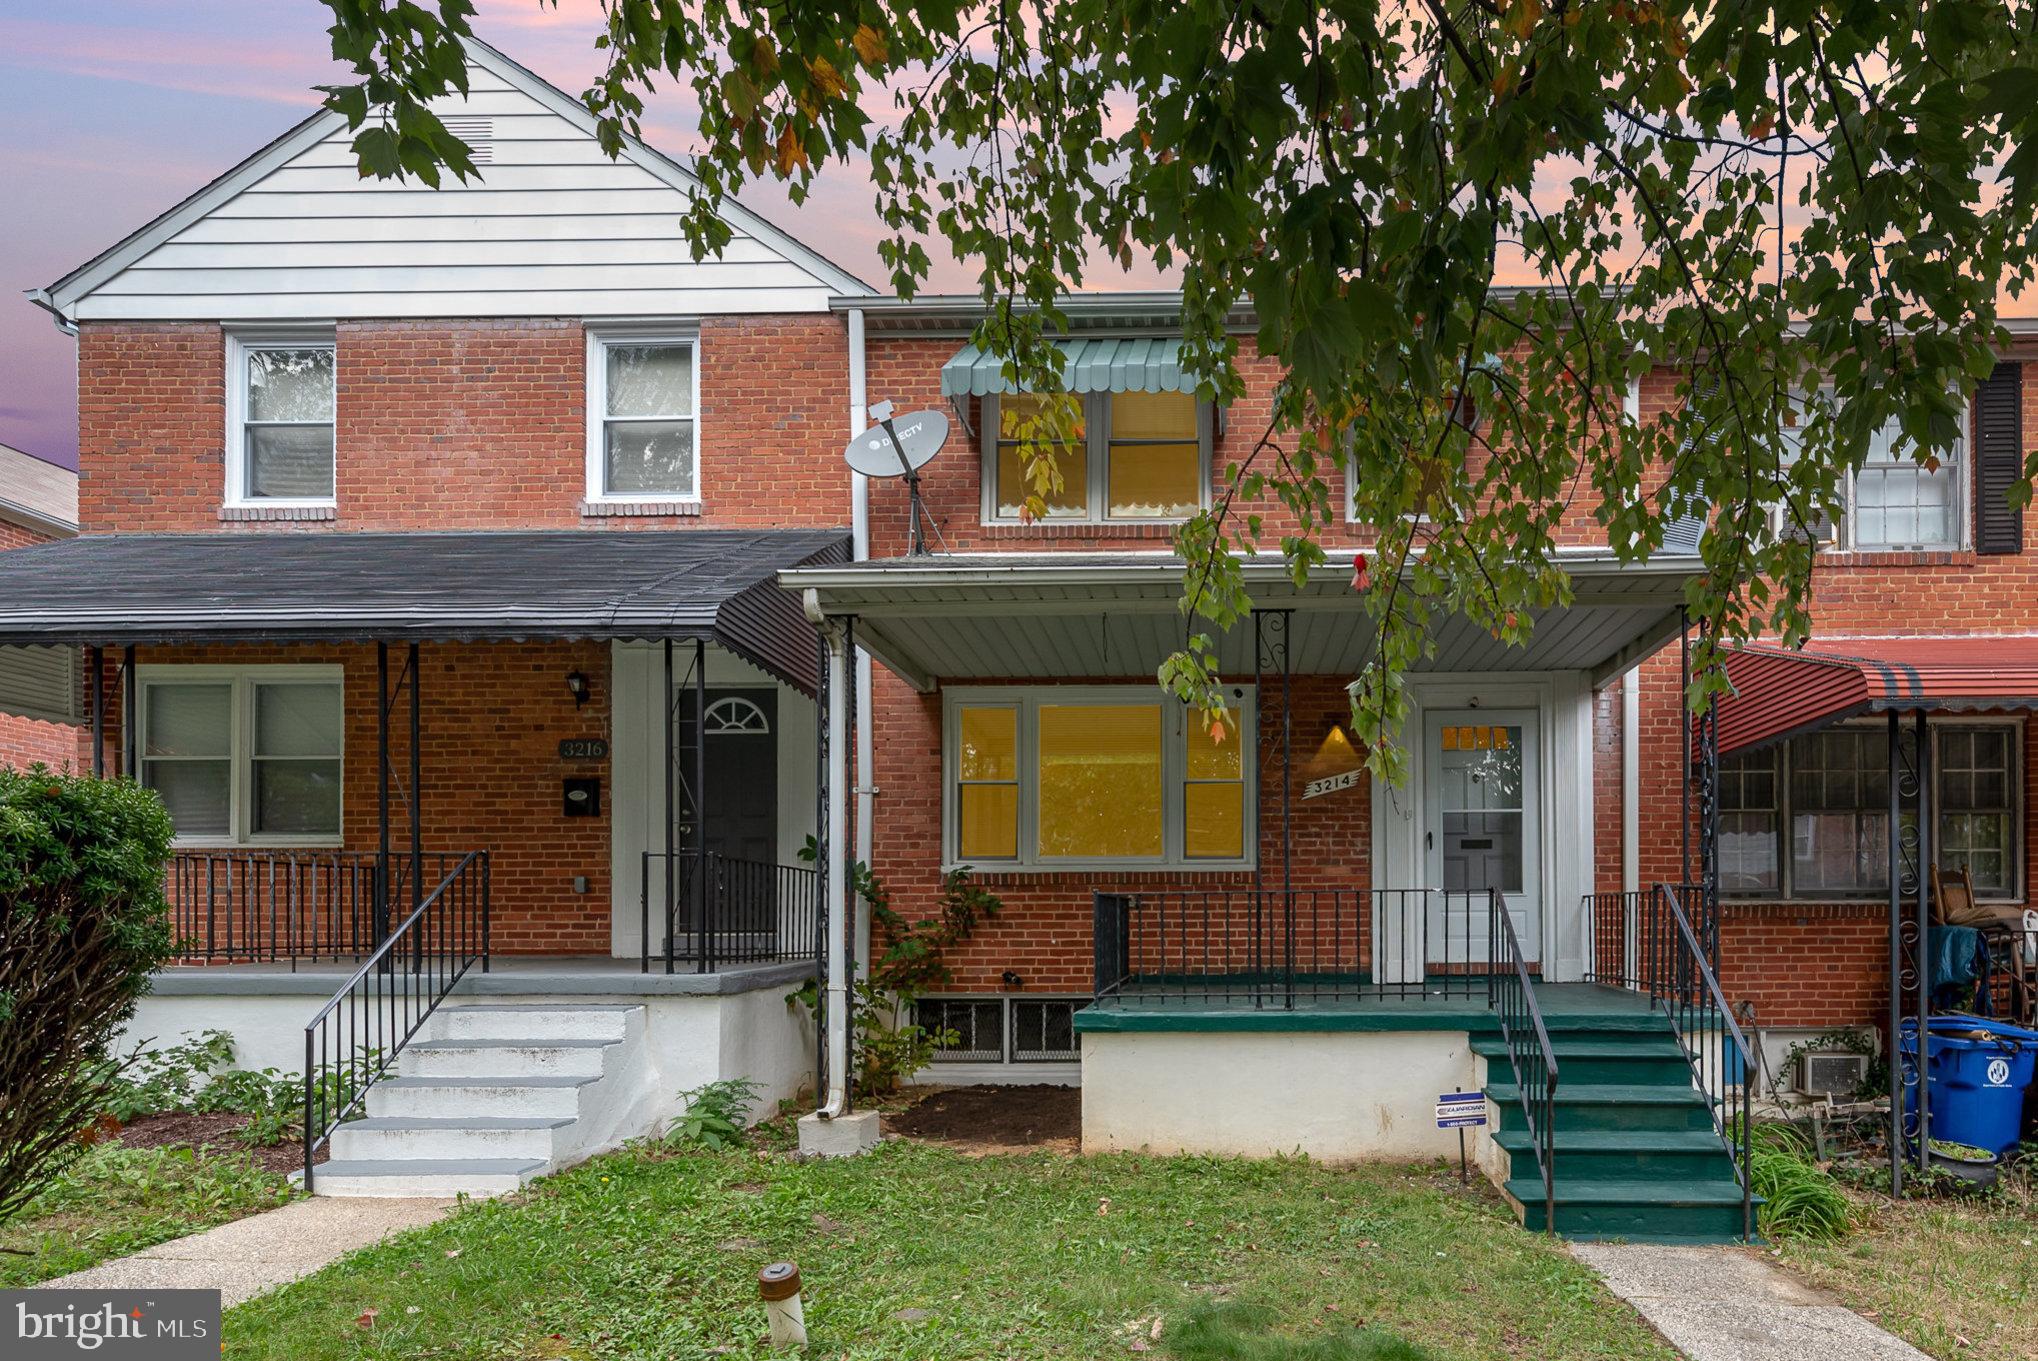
[1955, 1278]
[923, 1252]
[118, 1200]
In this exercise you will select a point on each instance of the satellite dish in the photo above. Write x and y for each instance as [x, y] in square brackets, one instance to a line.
[899, 446]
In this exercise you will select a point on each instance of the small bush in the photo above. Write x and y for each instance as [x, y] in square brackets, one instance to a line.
[716, 1114]
[83, 924]
[1800, 1198]
[156, 1079]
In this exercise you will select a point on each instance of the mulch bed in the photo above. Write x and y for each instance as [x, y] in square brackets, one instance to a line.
[1001, 1117]
[219, 1130]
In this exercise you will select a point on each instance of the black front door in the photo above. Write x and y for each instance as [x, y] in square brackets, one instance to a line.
[740, 802]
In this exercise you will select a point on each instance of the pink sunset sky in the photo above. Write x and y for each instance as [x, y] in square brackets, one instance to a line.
[114, 112]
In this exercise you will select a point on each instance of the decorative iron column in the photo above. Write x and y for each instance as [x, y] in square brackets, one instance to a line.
[1709, 829]
[704, 959]
[130, 700]
[1272, 657]
[381, 907]
[669, 703]
[1892, 1050]
[1922, 745]
[1910, 943]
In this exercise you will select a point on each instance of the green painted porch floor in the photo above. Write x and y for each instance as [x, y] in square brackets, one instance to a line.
[1244, 1008]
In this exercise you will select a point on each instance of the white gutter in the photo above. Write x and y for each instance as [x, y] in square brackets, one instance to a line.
[859, 512]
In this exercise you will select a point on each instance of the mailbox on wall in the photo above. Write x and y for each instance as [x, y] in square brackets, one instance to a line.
[583, 796]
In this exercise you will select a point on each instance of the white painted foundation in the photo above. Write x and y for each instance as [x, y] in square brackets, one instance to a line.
[1340, 1097]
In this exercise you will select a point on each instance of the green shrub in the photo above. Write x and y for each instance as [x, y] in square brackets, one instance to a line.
[159, 1078]
[716, 1113]
[83, 923]
[1800, 1198]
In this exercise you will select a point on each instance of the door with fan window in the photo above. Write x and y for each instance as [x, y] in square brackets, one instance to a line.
[737, 808]
[1482, 830]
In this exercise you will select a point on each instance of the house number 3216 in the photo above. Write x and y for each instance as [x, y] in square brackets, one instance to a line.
[583, 749]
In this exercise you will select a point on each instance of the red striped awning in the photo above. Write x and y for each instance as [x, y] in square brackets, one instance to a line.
[1778, 692]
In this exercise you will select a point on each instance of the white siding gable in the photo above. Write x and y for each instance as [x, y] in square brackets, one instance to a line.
[552, 227]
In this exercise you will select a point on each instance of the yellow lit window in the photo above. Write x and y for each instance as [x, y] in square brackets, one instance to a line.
[1020, 417]
[1100, 781]
[1154, 462]
[987, 774]
[1213, 791]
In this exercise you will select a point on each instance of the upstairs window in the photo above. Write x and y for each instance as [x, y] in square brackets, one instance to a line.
[280, 420]
[1893, 502]
[247, 755]
[643, 393]
[1133, 456]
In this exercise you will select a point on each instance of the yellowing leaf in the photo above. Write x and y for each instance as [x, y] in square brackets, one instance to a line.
[870, 45]
[825, 78]
[792, 154]
[1522, 17]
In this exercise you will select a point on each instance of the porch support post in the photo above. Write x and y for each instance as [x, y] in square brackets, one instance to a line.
[417, 810]
[1893, 1054]
[1924, 907]
[670, 700]
[1684, 756]
[96, 687]
[380, 914]
[704, 960]
[130, 700]
[822, 1025]
[835, 898]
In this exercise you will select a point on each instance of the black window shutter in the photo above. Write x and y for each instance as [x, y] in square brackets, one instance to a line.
[1998, 460]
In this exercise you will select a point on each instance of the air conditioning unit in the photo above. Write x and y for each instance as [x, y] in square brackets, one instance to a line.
[1837, 1073]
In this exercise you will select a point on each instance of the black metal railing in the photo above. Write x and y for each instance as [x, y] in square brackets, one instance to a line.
[711, 911]
[1621, 929]
[249, 906]
[1269, 948]
[1512, 995]
[1671, 960]
[357, 1034]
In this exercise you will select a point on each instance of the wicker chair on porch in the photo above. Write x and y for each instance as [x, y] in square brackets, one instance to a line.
[2011, 980]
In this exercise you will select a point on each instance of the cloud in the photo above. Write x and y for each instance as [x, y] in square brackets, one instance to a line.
[270, 67]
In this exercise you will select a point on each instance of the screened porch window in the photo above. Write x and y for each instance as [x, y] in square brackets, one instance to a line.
[1831, 791]
[1130, 456]
[245, 757]
[1086, 776]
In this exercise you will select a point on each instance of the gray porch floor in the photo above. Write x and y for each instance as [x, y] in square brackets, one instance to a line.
[508, 975]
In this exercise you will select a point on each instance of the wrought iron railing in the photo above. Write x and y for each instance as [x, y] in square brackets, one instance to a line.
[1512, 995]
[1672, 962]
[708, 911]
[1622, 931]
[248, 906]
[357, 1035]
[1267, 948]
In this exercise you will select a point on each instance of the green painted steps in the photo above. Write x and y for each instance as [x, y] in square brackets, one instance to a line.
[1596, 1056]
[1637, 1156]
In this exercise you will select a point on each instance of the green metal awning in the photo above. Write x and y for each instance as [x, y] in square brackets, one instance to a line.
[1141, 364]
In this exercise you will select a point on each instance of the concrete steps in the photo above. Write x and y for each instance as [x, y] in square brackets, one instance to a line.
[489, 1097]
[1636, 1155]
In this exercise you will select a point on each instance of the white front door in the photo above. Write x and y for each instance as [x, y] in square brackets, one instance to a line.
[1481, 830]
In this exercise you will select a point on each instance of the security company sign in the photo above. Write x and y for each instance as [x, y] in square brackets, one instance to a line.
[109, 1325]
[1460, 1110]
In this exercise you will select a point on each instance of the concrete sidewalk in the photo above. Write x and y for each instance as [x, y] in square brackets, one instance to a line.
[1728, 1304]
[261, 1252]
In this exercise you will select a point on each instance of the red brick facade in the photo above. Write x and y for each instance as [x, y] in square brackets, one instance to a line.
[29, 741]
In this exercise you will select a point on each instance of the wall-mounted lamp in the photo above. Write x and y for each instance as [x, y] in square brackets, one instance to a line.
[576, 685]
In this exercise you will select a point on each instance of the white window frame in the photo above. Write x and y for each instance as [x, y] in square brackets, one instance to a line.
[1008, 1004]
[1026, 701]
[1097, 443]
[1787, 890]
[239, 342]
[241, 744]
[599, 339]
[1841, 538]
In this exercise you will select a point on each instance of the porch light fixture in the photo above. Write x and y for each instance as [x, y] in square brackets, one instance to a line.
[576, 685]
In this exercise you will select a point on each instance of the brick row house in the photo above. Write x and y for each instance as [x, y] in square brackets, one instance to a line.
[479, 579]
[38, 686]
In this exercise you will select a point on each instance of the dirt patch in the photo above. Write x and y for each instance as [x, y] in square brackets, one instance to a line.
[990, 1119]
[219, 1130]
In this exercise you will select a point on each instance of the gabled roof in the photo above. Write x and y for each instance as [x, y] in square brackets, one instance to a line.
[37, 495]
[61, 297]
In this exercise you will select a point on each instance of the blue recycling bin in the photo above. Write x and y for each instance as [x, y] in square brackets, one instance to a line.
[1977, 1084]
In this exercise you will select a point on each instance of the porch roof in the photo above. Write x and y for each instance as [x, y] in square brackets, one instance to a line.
[523, 585]
[1778, 692]
[963, 616]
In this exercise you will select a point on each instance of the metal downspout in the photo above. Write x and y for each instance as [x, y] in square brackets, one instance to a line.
[859, 507]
